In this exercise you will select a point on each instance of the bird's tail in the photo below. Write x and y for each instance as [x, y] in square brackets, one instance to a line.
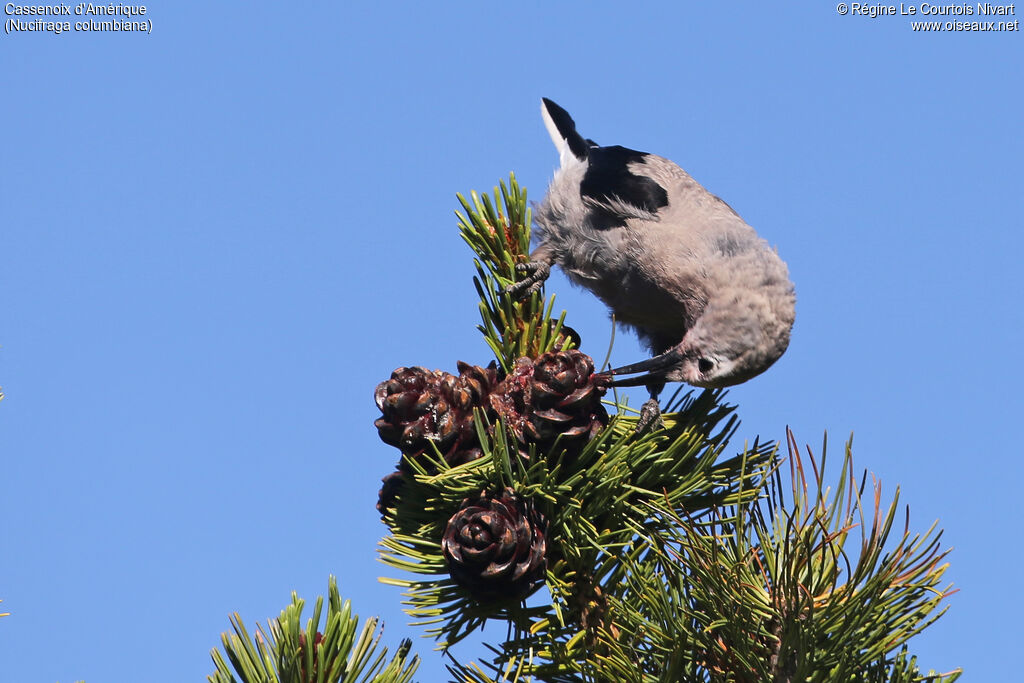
[562, 130]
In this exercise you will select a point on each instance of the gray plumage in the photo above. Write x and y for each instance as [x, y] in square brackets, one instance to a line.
[707, 296]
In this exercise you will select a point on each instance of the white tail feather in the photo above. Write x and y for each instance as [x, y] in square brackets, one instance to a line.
[561, 144]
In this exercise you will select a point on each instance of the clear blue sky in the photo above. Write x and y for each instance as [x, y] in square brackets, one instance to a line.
[215, 240]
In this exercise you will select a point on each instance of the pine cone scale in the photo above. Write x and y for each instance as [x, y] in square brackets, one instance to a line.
[552, 415]
[583, 395]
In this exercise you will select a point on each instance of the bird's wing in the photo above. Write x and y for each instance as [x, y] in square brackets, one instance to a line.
[608, 178]
[612, 189]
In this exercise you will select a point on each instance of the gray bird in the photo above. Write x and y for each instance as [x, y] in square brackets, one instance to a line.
[709, 298]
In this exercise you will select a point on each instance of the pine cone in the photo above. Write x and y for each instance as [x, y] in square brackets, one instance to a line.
[462, 456]
[393, 484]
[550, 397]
[495, 547]
[473, 385]
[415, 408]
[566, 334]
[470, 390]
[420, 406]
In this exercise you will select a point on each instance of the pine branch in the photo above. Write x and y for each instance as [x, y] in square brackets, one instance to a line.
[772, 591]
[498, 231]
[665, 558]
[286, 652]
[595, 505]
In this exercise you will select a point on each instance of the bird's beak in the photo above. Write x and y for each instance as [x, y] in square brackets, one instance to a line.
[653, 368]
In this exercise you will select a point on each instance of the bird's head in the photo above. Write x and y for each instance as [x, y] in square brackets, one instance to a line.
[710, 369]
[732, 343]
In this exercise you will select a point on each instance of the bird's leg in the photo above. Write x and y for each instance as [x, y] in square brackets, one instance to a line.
[537, 270]
[650, 412]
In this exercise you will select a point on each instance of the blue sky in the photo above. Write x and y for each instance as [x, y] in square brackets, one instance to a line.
[216, 239]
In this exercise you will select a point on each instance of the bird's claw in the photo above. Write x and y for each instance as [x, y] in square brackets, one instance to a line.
[537, 272]
[650, 417]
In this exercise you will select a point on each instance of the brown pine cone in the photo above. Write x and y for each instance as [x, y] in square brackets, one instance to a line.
[567, 400]
[566, 336]
[393, 484]
[550, 397]
[470, 390]
[421, 406]
[495, 547]
[416, 409]
[473, 384]
[461, 456]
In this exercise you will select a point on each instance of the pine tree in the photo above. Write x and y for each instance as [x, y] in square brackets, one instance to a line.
[524, 495]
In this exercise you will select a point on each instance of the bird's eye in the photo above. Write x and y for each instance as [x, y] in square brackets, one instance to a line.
[704, 365]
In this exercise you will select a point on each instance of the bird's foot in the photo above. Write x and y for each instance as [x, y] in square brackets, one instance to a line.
[650, 417]
[536, 273]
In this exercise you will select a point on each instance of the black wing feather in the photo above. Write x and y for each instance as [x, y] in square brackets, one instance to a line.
[608, 176]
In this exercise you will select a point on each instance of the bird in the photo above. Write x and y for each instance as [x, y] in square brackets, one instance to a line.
[710, 299]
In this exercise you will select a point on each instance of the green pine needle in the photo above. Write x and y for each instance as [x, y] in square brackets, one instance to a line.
[285, 651]
[498, 231]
